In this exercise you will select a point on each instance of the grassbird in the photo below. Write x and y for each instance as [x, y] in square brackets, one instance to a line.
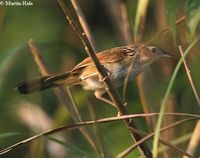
[116, 61]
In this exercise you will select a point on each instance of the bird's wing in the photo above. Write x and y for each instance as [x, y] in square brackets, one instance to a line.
[113, 55]
[108, 56]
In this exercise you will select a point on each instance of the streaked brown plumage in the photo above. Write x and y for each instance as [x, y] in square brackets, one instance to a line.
[116, 61]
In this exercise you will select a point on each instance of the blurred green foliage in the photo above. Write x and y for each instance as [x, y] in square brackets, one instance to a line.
[62, 50]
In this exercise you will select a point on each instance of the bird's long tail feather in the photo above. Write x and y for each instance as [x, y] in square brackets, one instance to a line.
[45, 82]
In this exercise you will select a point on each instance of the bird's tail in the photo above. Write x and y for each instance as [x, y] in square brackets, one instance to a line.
[45, 82]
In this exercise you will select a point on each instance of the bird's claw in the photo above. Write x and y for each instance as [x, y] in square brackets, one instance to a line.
[108, 75]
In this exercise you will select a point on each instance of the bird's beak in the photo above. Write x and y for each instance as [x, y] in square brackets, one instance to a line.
[166, 54]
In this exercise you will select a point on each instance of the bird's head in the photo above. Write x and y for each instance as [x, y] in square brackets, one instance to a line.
[149, 54]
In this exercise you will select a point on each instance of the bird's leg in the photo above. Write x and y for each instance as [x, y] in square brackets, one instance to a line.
[99, 95]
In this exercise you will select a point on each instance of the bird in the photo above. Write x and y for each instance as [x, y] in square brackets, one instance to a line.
[116, 61]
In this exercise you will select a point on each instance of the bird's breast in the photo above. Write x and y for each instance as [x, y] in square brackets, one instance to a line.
[117, 73]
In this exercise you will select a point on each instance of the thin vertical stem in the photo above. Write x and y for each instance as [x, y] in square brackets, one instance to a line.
[63, 95]
[111, 90]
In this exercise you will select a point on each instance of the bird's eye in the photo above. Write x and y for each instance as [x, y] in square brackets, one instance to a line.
[153, 49]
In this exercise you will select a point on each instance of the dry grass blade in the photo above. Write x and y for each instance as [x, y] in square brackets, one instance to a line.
[64, 95]
[194, 141]
[104, 152]
[83, 23]
[127, 33]
[165, 30]
[125, 23]
[189, 76]
[126, 79]
[176, 141]
[88, 33]
[142, 6]
[111, 90]
[148, 136]
[81, 124]
[38, 58]
[117, 12]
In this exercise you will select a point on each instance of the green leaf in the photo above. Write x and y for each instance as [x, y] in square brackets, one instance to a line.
[192, 9]
[7, 60]
[163, 105]
[8, 134]
[172, 7]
